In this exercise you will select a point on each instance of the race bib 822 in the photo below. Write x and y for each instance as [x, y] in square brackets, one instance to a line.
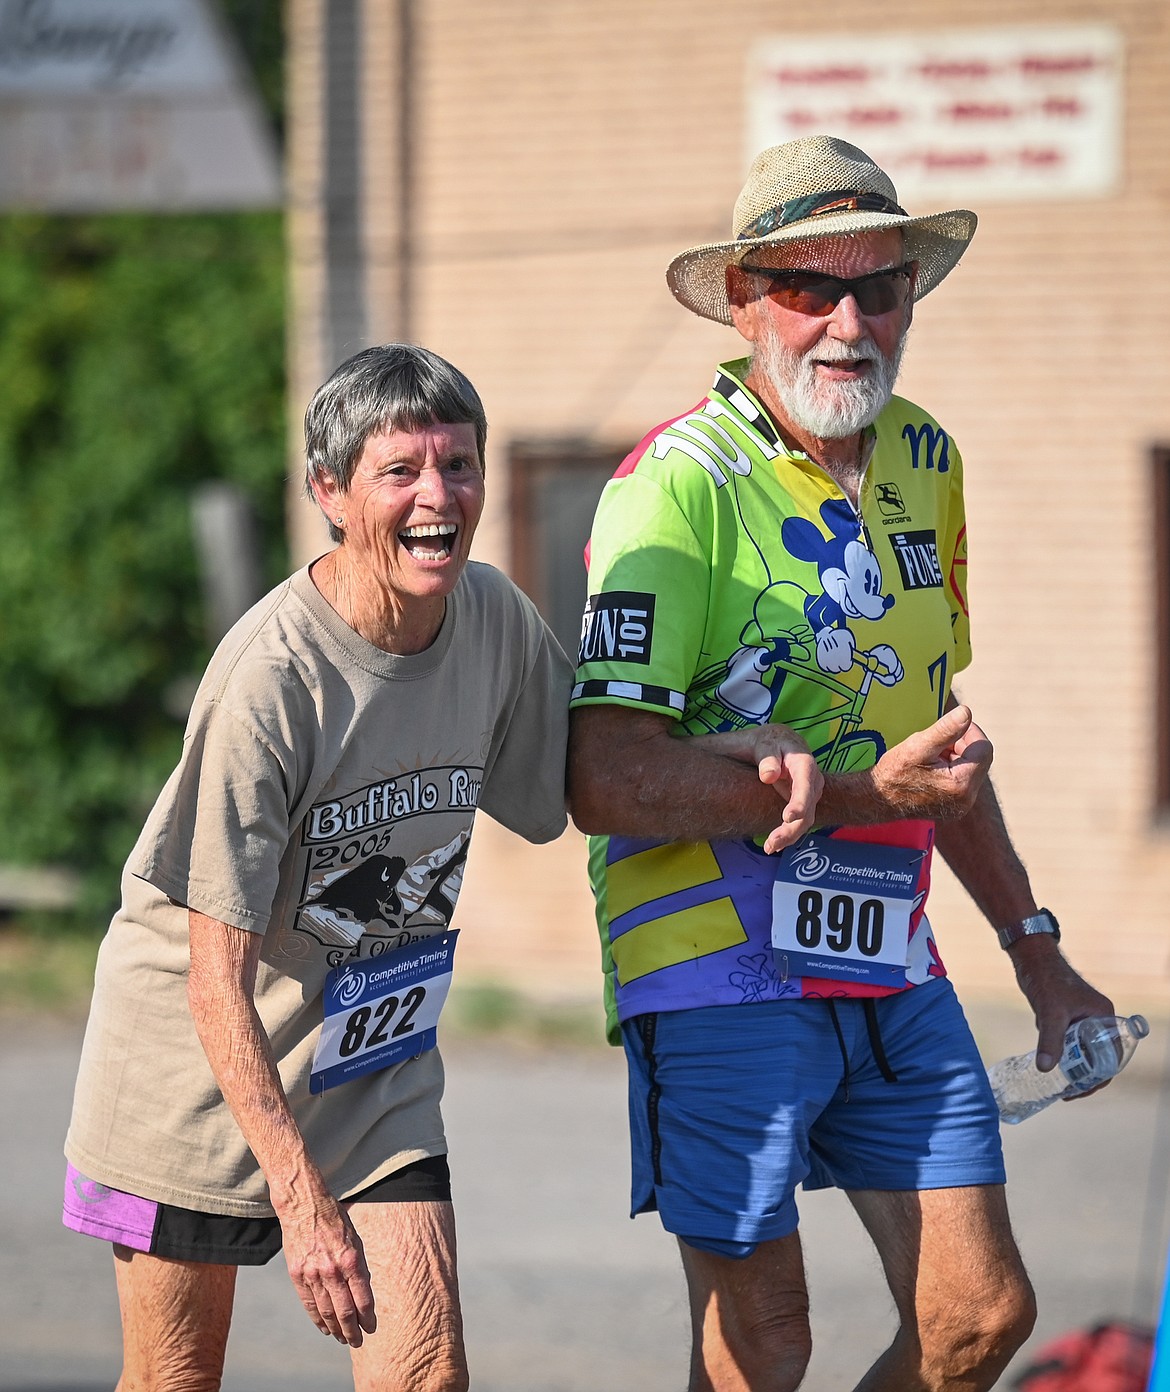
[382, 1010]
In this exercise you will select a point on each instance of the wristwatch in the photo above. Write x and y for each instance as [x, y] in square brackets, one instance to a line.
[1041, 922]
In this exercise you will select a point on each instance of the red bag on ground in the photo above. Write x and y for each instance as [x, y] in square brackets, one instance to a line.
[1112, 1357]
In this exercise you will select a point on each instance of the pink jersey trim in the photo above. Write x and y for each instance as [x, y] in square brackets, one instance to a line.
[634, 458]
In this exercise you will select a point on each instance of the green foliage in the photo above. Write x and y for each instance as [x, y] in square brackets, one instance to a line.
[140, 356]
[259, 35]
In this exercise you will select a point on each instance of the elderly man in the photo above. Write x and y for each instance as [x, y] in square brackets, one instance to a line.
[793, 549]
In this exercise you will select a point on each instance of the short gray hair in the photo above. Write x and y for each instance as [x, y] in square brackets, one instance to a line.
[397, 386]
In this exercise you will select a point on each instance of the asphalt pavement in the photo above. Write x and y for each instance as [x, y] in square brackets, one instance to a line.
[561, 1291]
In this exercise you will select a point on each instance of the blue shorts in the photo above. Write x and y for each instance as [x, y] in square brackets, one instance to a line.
[731, 1107]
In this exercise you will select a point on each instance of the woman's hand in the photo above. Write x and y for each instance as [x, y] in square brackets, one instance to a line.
[785, 764]
[328, 1268]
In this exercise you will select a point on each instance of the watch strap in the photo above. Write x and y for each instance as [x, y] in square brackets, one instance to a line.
[1043, 921]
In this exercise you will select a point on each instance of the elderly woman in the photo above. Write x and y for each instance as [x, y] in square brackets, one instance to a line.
[260, 1064]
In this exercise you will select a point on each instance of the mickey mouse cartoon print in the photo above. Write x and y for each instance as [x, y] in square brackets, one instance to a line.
[850, 577]
[851, 581]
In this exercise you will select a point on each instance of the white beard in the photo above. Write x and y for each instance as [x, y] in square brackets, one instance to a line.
[827, 410]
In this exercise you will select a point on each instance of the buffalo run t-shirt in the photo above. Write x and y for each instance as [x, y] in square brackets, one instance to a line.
[326, 792]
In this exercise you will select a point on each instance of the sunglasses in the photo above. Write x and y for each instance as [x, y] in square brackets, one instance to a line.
[810, 292]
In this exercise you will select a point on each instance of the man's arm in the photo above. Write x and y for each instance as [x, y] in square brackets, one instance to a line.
[629, 775]
[980, 852]
[323, 1253]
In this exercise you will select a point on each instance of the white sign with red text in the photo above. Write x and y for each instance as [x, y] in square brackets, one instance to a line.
[1013, 113]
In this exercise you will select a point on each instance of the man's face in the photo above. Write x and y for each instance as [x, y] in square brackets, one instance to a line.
[830, 376]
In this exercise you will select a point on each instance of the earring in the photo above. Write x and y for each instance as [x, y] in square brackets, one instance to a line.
[340, 521]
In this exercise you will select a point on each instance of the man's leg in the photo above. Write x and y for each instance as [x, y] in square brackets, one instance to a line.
[418, 1344]
[965, 1301]
[749, 1318]
[175, 1321]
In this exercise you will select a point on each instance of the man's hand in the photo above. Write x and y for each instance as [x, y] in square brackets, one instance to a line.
[784, 763]
[1059, 996]
[980, 852]
[935, 773]
[328, 1269]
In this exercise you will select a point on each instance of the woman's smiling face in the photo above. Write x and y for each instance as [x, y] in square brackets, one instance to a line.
[411, 510]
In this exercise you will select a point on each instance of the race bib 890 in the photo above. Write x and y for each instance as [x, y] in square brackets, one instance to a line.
[841, 909]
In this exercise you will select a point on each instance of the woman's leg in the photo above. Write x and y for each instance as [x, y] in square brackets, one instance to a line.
[175, 1321]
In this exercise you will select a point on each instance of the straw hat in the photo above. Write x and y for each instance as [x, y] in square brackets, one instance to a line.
[818, 186]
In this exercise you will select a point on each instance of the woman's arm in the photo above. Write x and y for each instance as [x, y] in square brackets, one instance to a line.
[323, 1253]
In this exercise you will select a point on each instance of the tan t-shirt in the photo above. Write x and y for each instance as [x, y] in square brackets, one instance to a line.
[325, 788]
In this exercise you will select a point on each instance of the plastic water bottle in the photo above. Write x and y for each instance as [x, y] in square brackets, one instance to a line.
[1094, 1050]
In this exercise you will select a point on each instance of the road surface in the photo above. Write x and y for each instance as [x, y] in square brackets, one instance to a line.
[562, 1292]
